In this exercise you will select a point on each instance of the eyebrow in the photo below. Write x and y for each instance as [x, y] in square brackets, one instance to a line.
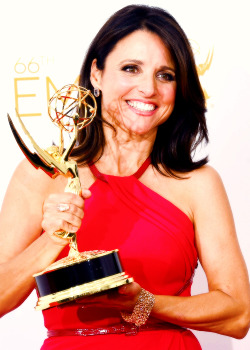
[167, 68]
[141, 63]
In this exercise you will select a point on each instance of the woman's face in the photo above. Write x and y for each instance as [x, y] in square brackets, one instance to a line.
[137, 84]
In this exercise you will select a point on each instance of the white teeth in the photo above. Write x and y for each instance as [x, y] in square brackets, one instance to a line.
[141, 106]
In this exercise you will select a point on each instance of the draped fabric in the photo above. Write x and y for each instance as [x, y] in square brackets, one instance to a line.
[156, 244]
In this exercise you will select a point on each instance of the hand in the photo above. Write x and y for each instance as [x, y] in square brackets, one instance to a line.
[63, 211]
[123, 298]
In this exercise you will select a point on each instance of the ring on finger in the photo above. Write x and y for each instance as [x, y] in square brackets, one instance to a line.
[63, 207]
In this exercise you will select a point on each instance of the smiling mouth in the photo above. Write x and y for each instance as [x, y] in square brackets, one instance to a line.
[140, 106]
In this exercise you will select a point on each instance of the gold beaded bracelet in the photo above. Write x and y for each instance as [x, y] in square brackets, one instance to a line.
[142, 309]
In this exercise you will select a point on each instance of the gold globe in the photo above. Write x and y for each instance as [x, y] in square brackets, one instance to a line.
[72, 105]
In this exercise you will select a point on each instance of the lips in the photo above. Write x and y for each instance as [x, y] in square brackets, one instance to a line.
[141, 106]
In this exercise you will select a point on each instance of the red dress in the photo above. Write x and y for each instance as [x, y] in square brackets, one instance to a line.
[156, 244]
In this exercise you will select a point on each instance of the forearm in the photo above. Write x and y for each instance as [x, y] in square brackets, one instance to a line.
[213, 312]
[16, 275]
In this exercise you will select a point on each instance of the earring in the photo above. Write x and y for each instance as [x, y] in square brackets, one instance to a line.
[96, 92]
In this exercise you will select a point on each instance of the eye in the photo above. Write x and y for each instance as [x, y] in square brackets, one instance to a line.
[166, 76]
[130, 68]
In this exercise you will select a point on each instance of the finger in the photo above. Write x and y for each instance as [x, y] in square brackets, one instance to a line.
[66, 198]
[61, 226]
[70, 220]
[130, 289]
[69, 223]
[70, 210]
[61, 204]
[62, 207]
[64, 221]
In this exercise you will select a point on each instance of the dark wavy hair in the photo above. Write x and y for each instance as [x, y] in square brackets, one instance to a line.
[178, 137]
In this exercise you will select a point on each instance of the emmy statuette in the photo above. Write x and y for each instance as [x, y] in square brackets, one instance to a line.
[80, 273]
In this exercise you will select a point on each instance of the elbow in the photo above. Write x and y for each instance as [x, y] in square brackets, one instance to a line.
[4, 305]
[241, 325]
[244, 327]
[6, 308]
[3, 310]
[8, 304]
[240, 333]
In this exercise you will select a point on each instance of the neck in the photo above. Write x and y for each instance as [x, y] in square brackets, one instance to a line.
[124, 153]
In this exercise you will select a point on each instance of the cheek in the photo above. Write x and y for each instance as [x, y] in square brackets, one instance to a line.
[111, 97]
[114, 94]
[168, 96]
[121, 88]
[116, 85]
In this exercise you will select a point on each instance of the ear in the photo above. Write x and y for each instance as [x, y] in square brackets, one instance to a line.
[96, 75]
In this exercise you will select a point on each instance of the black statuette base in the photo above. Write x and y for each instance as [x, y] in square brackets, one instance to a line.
[78, 274]
[83, 278]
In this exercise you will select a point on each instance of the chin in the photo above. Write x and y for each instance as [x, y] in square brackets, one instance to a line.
[132, 128]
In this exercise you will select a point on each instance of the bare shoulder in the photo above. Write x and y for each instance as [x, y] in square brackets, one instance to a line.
[206, 187]
[27, 190]
[206, 174]
[190, 191]
[205, 178]
[34, 180]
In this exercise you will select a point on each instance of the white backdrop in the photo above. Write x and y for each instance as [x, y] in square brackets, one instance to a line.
[43, 45]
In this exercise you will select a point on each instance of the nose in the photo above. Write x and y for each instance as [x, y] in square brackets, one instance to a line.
[147, 85]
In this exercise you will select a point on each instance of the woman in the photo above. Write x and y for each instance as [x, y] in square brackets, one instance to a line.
[143, 193]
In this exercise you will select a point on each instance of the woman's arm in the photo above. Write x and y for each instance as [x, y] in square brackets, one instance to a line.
[24, 251]
[225, 309]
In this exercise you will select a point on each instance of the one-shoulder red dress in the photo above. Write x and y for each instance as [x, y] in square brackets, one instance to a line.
[156, 244]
